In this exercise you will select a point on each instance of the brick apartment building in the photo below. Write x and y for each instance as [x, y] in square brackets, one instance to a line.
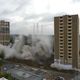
[66, 33]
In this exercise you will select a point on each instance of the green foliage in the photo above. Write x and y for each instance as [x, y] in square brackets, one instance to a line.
[2, 54]
[11, 39]
[7, 76]
[1, 63]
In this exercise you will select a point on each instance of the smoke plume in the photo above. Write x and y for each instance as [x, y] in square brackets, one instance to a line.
[40, 48]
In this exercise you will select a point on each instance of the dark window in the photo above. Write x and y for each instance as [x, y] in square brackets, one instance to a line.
[61, 23]
[61, 20]
[61, 37]
[61, 30]
[61, 33]
[69, 43]
[61, 43]
[69, 36]
[61, 17]
[61, 53]
[61, 40]
[69, 19]
[61, 27]
[69, 40]
[69, 50]
[69, 46]
[69, 57]
[69, 30]
[69, 23]
[69, 33]
[69, 16]
[61, 46]
[61, 56]
[69, 26]
[69, 53]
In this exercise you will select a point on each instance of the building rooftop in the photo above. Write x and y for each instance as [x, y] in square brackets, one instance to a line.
[23, 74]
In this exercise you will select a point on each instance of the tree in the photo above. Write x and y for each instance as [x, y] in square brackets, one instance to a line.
[11, 40]
[2, 54]
[6, 75]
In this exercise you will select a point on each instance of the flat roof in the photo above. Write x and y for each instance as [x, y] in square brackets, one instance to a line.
[23, 74]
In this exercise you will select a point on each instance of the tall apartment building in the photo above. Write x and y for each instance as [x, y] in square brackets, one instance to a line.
[4, 32]
[66, 30]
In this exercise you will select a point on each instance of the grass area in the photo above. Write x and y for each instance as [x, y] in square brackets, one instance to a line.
[2, 74]
[7, 76]
[1, 62]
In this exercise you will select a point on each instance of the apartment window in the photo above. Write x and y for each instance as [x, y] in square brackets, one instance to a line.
[61, 53]
[7, 29]
[69, 20]
[61, 40]
[69, 43]
[69, 50]
[61, 36]
[69, 33]
[61, 33]
[69, 57]
[69, 29]
[69, 16]
[61, 46]
[61, 56]
[69, 53]
[61, 27]
[69, 36]
[69, 47]
[61, 17]
[61, 30]
[61, 20]
[69, 40]
[69, 26]
[61, 43]
[69, 23]
[61, 23]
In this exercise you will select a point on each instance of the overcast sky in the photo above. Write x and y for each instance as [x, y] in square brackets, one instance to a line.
[25, 14]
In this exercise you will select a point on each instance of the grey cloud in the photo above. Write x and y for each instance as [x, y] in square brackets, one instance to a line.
[22, 4]
[29, 28]
[12, 6]
[18, 7]
[45, 17]
[48, 18]
[21, 28]
[32, 16]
